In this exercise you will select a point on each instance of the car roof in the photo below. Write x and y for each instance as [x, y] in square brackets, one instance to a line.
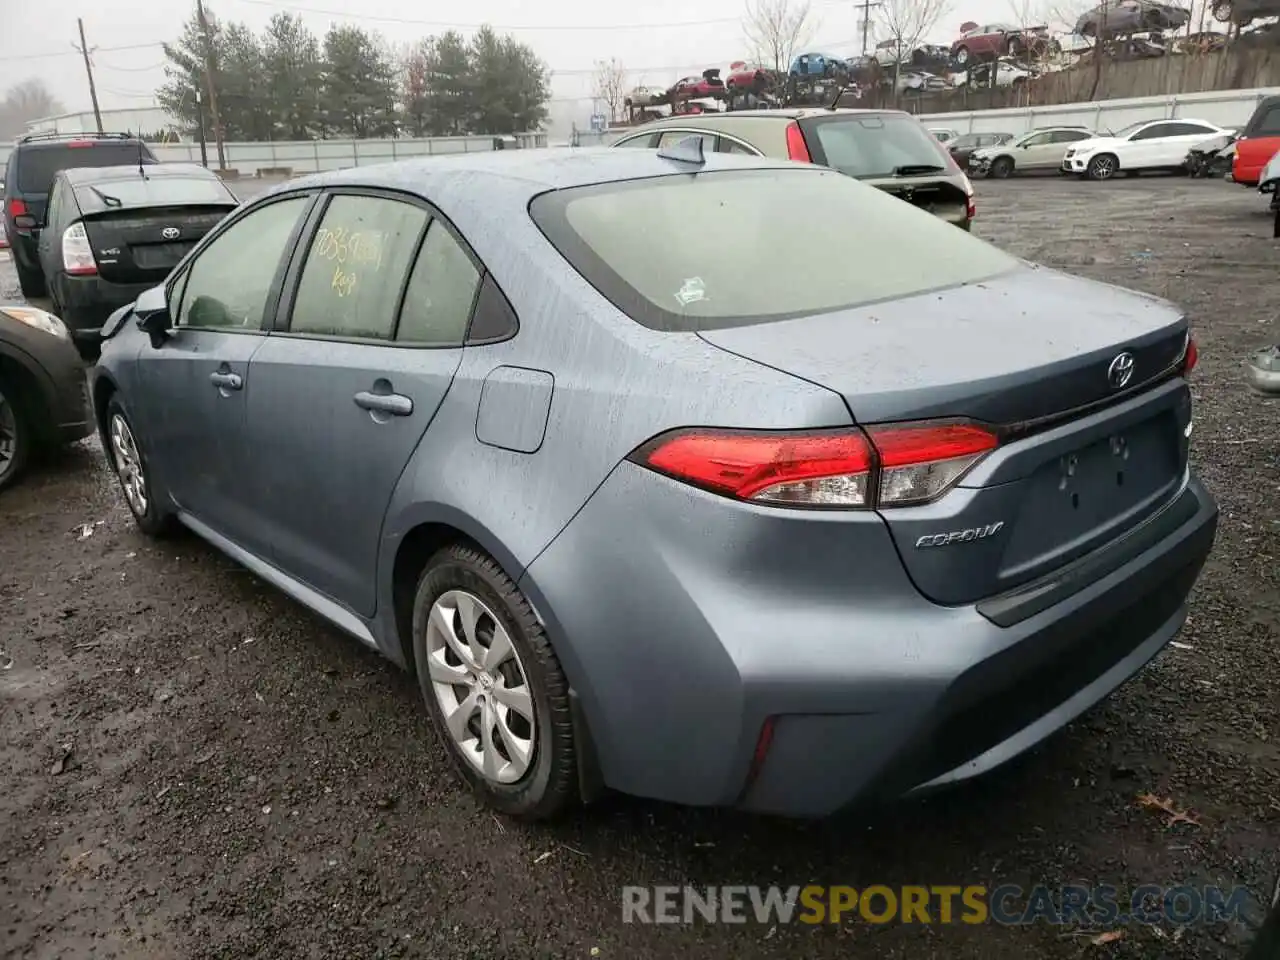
[487, 195]
[785, 113]
[81, 175]
[524, 173]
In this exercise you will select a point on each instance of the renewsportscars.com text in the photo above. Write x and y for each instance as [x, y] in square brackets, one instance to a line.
[1006, 904]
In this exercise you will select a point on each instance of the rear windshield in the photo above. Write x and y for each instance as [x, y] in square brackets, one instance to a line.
[152, 192]
[732, 248]
[37, 166]
[880, 145]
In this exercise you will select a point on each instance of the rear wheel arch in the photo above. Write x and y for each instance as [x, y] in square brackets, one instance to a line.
[443, 527]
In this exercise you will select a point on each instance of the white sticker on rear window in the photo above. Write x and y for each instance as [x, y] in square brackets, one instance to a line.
[693, 291]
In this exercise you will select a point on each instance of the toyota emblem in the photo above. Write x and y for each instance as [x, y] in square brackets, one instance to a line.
[170, 233]
[1121, 371]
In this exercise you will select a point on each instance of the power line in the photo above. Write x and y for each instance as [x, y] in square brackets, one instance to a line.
[410, 21]
[71, 53]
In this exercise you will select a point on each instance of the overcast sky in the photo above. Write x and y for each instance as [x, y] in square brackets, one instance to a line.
[658, 40]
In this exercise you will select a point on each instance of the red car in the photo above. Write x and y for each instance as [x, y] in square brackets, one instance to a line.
[992, 40]
[747, 77]
[1259, 141]
[707, 85]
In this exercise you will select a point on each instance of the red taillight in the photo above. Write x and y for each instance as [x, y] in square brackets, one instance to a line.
[1190, 356]
[971, 207]
[17, 208]
[763, 743]
[80, 143]
[797, 149]
[885, 466]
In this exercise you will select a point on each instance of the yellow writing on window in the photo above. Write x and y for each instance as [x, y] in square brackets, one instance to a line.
[349, 251]
[352, 247]
[343, 282]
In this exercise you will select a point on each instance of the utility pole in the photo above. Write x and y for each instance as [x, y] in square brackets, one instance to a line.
[204, 150]
[865, 6]
[88, 69]
[210, 87]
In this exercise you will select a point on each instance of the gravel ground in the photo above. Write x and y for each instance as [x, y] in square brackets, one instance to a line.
[243, 781]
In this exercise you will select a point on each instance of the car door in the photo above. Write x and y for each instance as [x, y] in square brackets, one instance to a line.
[1062, 141]
[53, 226]
[197, 381]
[1036, 153]
[1146, 148]
[345, 388]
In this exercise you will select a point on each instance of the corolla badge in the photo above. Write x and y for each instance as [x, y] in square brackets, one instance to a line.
[968, 535]
[170, 233]
[1121, 370]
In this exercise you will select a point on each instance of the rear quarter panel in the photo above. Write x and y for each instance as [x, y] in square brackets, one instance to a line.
[616, 384]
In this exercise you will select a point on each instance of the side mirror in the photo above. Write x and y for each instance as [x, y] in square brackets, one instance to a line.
[152, 311]
[156, 325]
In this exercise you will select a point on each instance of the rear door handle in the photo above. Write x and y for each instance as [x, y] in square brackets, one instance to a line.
[390, 403]
[227, 381]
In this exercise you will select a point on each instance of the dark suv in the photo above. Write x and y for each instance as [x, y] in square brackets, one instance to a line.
[36, 159]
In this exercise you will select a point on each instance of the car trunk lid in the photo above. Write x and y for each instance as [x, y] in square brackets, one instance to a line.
[141, 245]
[1034, 354]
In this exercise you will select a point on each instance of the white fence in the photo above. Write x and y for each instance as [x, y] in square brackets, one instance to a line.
[311, 156]
[1227, 108]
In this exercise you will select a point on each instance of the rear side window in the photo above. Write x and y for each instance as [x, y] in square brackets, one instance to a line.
[37, 166]
[1268, 124]
[437, 302]
[874, 146]
[718, 262]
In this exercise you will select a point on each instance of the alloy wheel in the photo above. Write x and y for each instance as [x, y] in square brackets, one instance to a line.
[8, 436]
[1103, 168]
[129, 465]
[481, 687]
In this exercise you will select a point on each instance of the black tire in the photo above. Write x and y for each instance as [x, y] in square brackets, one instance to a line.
[962, 56]
[17, 438]
[31, 281]
[1102, 167]
[154, 521]
[550, 786]
[1001, 168]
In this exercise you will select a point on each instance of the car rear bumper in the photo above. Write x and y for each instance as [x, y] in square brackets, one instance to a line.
[686, 635]
[87, 302]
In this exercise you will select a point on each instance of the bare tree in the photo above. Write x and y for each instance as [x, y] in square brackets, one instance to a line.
[907, 22]
[29, 100]
[776, 30]
[609, 85]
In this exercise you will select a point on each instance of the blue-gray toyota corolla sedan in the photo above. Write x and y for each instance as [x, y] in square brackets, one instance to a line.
[654, 496]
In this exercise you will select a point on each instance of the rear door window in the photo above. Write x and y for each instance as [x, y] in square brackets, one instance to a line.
[356, 268]
[1188, 130]
[879, 145]
[37, 166]
[718, 262]
[644, 141]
